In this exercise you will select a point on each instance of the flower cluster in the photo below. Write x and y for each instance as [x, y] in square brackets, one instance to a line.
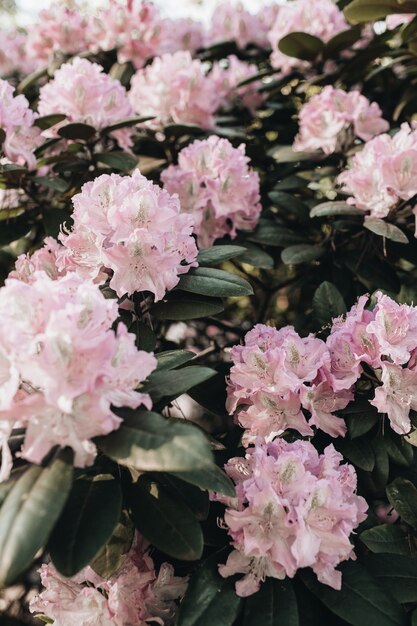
[13, 53]
[383, 172]
[226, 77]
[330, 118]
[293, 508]
[275, 374]
[135, 229]
[16, 120]
[181, 34]
[231, 21]
[175, 89]
[84, 93]
[322, 19]
[63, 367]
[134, 595]
[216, 186]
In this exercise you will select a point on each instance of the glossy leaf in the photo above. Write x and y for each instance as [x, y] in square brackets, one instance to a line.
[301, 45]
[217, 254]
[171, 384]
[328, 303]
[303, 253]
[186, 306]
[275, 603]
[208, 281]
[402, 495]
[117, 160]
[113, 554]
[387, 539]
[384, 229]
[76, 130]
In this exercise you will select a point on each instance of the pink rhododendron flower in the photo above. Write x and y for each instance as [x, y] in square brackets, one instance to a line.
[397, 396]
[84, 93]
[13, 53]
[16, 120]
[293, 508]
[135, 229]
[216, 186]
[397, 19]
[60, 29]
[329, 119]
[45, 259]
[383, 172]
[181, 34]
[227, 76]
[274, 376]
[231, 21]
[135, 594]
[62, 367]
[322, 19]
[175, 89]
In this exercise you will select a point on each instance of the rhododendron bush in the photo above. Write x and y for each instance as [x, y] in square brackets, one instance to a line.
[208, 304]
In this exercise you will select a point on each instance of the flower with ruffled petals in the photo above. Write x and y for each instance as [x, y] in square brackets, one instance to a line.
[13, 53]
[227, 75]
[231, 21]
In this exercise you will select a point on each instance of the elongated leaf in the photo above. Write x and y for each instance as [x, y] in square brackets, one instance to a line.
[403, 496]
[255, 256]
[362, 600]
[358, 451]
[275, 603]
[117, 160]
[29, 513]
[207, 281]
[14, 228]
[365, 10]
[53, 183]
[389, 231]
[76, 130]
[341, 41]
[173, 358]
[270, 233]
[150, 442]
[126, 123]
[326, 209]
[112, 556]
[328, 303]
[210, 599]
[166, 522]
[195, 498]
[387, 539]
[171, 384]
[46, 121]
[211, 478]
[398, 573]
[303, 253]
[217, 254]
[185, 306]
[301, 45]
[399, 450]
[87, 522]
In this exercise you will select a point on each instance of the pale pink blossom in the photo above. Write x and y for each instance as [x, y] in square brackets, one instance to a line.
[14, 58]
[181, 34]
[17, 122]
[226, 76]
[84, 93]
[62, 367]
[397, 19]
[175, 89]
[397, 395]
[293, 508]
[215, 184]
[332, 118]
[44, 259]
[135, 594]
[134, 230]
[322, 19]
[231, 21]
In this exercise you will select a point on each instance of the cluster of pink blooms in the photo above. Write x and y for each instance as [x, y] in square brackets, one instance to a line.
[130, 226]
[322, 19]
[62, 367]
[13, 53]
[16, 120]
[226, 76]
[293, 508]
[331, 119]
[383, 172]
[231, 21]
[277, 373]
[175, 89]
[84, 93]
[135, 594]
[216, 185]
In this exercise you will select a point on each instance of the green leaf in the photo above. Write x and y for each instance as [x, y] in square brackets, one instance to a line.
[178, 130]
[207, 281]
[210, 600]
[30, 80]
[384, 229]
[14, 228]
[217, 254]
[127, 123]
[327, 209]
[270, 233]
[46, 121]
[366, 10]
[301, 45]
[117, 160]
[171, 384]
[186, 306]
[275, 603]
[166, 522]
[360, 418]
[255, 256]
[145, 337]
[341, 41]
[398, 449]
[195, 498]
[358, 451]
[362, 600]
[398, 573]
[112, 556]
[211, 478]
[76, 130]
[286, 154]
[303, 253]
[150, 442]
[328, 303]
[387, 539]
[29, 513]
[57, 184]
[170, 359]
[86, 524]
[403, 497]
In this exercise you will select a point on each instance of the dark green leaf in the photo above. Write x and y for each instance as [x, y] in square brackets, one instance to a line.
[217, 254]
[328, 303]
[46, 121]
[171, 384]
[255, 256]
[29, 513]
[366, 10]
[170, 359]
[210, 478]
[301, 45]
[399, 450]
[302, 253]
[387, 538]
[86, 524]
[358, 451]
[150, 442]
[57, 184]
[186, 306]
[403, 497]
[275, 603]
[112, 556]
[76, 130]
[384, 229]
[341, 41]
[117, 160]
[195, 498]
[14, 228]
[166, 522]
[178, 130]
[270, 233]
[126, 123]
[398, 573]
[208, 281]
[326, 209]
